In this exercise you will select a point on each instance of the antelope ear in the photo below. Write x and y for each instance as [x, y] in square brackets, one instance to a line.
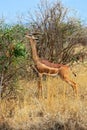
[27, 36]
[34, 38]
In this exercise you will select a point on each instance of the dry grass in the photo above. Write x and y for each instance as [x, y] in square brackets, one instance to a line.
[58, 109]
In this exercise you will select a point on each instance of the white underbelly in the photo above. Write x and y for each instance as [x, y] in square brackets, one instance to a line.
[55, 74]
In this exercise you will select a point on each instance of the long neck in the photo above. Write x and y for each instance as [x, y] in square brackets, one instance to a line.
[34, 51]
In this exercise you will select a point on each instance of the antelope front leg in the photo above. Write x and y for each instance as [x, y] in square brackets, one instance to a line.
[40, 86]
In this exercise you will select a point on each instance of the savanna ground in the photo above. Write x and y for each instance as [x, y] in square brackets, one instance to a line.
[55, 111]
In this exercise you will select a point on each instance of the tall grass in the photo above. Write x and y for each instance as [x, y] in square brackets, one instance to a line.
[56, 102]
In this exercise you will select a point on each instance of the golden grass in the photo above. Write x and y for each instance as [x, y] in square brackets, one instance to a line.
[57, 103]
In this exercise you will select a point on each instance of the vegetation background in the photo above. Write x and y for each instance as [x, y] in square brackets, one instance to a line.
[61, 39]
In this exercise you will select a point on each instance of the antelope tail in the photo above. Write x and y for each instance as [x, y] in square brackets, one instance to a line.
[74, 74]
[72, 70]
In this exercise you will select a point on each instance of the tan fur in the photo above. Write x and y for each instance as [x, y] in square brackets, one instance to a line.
[44, 67]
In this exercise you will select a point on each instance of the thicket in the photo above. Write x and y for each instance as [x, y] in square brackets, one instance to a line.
[12, 55]
[57, 33]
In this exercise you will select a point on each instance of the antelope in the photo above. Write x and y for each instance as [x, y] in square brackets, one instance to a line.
[45, 67]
